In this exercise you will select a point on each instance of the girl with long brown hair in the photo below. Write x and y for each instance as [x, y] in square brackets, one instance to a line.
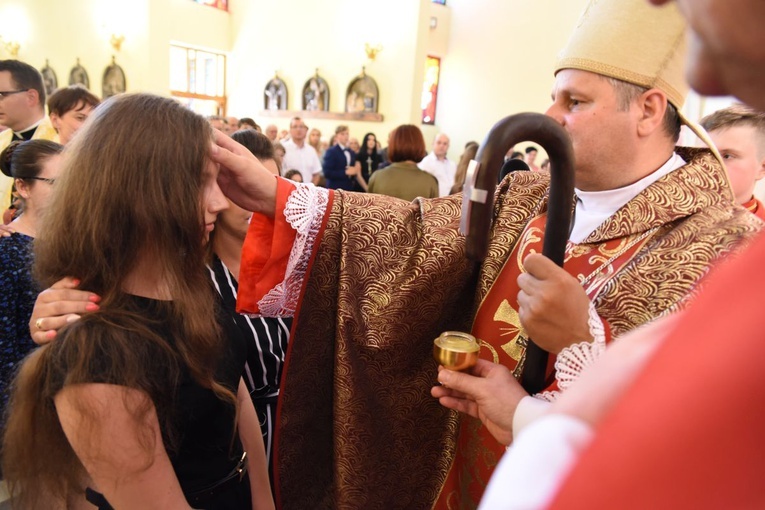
[139, 404]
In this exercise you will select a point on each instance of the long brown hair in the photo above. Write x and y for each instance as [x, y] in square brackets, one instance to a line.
[471, 149]
[129, 189]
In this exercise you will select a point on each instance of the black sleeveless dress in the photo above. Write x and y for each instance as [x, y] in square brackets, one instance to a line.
[205, 443]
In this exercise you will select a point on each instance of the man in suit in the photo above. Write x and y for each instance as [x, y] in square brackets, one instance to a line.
[22, 111]
[340, 166]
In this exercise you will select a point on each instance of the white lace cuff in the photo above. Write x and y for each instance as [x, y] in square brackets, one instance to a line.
[572, 360]
[304, 212]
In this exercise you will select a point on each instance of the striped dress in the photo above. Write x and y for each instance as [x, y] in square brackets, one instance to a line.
[266, 349]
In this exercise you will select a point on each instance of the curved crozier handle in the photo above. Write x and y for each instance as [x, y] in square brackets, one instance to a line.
[477, 206]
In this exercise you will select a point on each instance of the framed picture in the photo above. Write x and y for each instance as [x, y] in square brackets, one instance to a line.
[78, 75]
[275, 94]
[114, 81]
[316, 94]
[49, 78]
[362, 94]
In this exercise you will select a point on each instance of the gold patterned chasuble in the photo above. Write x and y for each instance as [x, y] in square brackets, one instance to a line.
[357, 427]
[503, 340]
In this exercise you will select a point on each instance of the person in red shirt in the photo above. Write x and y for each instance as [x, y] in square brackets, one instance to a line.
[739, 133]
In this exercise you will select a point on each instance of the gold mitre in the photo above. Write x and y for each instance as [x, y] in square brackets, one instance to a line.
[632, 41]
[635, 42]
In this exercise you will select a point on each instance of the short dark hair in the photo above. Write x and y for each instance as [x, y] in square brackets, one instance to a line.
[292, 172]
[25, 77]
[22, 160]
[255, 142]
[406, 143]
[628, 92]
[531, 148]
[68, 98]
[247, 121]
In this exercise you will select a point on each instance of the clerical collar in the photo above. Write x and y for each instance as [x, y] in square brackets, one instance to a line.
[594, 207]
[26, 134]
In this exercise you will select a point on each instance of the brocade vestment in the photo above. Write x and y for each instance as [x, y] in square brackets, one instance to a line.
[357, 425]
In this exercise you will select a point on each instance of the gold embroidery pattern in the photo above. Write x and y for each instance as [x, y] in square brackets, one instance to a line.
[357, 425]
[357, 419]
[518, 200]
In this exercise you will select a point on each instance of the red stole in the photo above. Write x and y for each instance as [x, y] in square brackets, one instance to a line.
[503, 340]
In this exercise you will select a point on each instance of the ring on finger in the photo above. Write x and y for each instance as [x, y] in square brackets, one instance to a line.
[38, 323]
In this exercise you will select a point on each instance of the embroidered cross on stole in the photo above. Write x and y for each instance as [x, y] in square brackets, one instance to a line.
[503, 340]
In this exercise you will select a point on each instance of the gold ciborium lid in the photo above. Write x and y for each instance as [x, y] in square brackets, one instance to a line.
[456, 350]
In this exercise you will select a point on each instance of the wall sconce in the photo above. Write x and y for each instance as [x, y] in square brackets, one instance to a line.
[12, 47]
[372, 51]
[116, 41]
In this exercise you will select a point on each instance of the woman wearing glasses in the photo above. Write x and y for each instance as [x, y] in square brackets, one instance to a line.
[34, 165]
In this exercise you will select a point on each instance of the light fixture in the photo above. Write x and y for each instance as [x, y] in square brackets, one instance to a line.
[372, 51]
[116, 41]
[12, 47]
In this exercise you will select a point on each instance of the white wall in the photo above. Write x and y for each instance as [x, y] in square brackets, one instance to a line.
[500, 61]
[295, 38]
[497, 56]
[62, 31]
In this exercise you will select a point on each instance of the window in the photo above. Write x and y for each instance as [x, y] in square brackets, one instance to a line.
[198, 79]
[430, 90]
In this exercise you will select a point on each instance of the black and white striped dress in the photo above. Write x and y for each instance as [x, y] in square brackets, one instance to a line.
[266, 349]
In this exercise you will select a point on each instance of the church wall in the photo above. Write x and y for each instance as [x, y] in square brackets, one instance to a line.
[295, 38]
[500, 61]
[64, 31]
[497, 57]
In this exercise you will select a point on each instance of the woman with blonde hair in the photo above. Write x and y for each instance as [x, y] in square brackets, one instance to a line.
[314, 140]
[139, 404]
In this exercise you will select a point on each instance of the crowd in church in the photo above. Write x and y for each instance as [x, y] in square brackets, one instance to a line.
[240, 317]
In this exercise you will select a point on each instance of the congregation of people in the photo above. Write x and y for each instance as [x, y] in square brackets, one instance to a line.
[242, 317]
[343, 163]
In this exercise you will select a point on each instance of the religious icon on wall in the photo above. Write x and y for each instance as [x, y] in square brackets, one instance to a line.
[78, 75]
[316, 94]
[49, 78]
[114, 81]
[362, 94]
[275, 94]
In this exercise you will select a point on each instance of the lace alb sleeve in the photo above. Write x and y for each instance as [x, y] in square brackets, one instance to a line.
[574, 359]
[304, 212]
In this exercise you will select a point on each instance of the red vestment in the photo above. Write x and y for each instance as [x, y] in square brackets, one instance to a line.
[689, 432]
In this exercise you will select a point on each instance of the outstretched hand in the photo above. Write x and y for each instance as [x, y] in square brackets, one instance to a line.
[242, 177]
[488, 392]
[553, 307]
